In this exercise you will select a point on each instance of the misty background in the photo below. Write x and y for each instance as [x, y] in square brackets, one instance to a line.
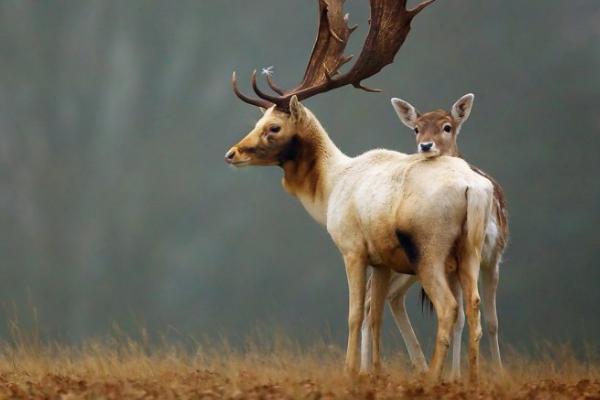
[116, 208]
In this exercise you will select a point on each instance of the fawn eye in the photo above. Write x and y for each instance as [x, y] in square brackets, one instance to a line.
[417, 131]
[274, 128]
[447, 128]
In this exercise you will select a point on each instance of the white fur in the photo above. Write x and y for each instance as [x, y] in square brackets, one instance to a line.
[491, 239]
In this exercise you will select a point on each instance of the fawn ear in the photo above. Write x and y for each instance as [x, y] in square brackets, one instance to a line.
[462, 108]
[407, 113]
[297, 111]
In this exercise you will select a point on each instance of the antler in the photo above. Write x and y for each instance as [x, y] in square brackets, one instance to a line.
[389, 26]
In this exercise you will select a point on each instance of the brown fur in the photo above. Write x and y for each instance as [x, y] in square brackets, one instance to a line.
[430, 126]
[302, 172]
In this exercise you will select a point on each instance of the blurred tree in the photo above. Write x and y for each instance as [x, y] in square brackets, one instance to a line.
[115, 205]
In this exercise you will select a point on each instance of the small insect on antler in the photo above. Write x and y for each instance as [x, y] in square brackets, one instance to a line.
[389, 26]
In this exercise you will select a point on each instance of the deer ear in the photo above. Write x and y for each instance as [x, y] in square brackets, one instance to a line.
[462, 108]
[296, 109]
[262, 109]
[407, 113]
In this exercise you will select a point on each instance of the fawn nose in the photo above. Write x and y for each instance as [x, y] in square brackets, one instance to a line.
[426, 146]
[229, 156]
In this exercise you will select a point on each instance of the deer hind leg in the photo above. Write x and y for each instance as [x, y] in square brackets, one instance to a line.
[366, 359]
[468, 272]
[356, 274]
[400, 283]
[458, 327]
[379, 291]
[435, 283]
[489, 282]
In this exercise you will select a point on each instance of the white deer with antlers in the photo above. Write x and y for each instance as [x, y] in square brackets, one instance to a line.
[386, 209]
[436, 134]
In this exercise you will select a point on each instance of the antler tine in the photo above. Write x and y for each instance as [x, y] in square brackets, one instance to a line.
[417, 9]
[359, 85]
[261, 94]
[255, 102]
[346, 59]
[273, 86]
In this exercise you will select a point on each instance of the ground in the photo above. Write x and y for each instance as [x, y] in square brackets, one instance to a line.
[111, 370]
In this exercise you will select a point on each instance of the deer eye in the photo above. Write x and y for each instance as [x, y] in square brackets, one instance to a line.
[447, 128]
[274, 128]
[417, 131]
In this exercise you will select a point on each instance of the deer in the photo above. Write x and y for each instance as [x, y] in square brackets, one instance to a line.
[436, 133]
[382, 208]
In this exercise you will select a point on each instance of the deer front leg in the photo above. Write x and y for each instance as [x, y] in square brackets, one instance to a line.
[399, 285]
[379, 291]
[356, 274]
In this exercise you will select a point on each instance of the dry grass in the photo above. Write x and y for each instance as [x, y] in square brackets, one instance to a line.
[121, 369]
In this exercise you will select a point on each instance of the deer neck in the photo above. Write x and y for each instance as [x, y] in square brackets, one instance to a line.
[310, 166]
[453, 151]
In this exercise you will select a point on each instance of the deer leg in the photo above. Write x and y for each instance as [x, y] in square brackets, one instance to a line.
[365, 337]
[379, 290]
[366, 359]
[468, 272]
[356, 274]
[458, 327]
[489, 283]
[435, 283]
[400, 283]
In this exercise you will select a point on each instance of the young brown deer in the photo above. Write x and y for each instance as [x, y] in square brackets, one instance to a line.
[383, 208]
[436, 134]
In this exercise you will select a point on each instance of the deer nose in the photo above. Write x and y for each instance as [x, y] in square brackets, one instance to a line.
[426, 146]
[230, 155]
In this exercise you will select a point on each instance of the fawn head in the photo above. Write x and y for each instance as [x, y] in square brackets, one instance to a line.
[435, 131]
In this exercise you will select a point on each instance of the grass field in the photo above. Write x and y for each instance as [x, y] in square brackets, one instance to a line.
[123, 369]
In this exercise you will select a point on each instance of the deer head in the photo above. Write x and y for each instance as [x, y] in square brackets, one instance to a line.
[435, 131]
[274, 139]
[277, 133]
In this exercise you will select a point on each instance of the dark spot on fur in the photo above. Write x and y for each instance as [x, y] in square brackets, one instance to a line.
[291, 150]
[301, 167]
[408, 245]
